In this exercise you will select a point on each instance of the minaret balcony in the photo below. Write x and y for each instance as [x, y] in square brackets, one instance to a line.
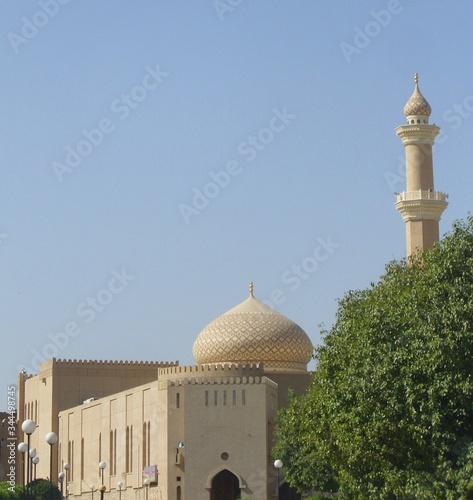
[424, 204]
[417, 134]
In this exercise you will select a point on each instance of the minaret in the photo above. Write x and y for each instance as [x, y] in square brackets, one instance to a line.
[420, 205]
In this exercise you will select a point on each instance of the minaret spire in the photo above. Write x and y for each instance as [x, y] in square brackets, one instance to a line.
[420, 205]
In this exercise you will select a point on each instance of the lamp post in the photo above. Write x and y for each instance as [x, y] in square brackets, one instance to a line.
[102, 466]
[278, 464]
[146, 483]
[30, 456]
[35, 461]
[120, 486]
[23, 448]
[28, 427]
[102, 491]
[51, 438]
[67, 466]
[92, 489]
[60, 479]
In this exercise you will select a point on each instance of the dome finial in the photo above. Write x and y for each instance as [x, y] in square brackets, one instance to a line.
[416, 78]
[251, 288]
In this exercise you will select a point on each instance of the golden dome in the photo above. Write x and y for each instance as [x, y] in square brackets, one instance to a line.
[417, 104]
[253, 332]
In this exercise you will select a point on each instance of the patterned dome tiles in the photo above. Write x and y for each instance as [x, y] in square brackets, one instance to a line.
[417, 104]
[253, 332]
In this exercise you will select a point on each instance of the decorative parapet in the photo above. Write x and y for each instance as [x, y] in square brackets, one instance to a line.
[251, 380]
[422, 194]
[421, 204]
[417, 134]
[212, 371]
[114, 363]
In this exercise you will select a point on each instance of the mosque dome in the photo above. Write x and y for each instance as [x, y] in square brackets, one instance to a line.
[253, 332]
[417, 105]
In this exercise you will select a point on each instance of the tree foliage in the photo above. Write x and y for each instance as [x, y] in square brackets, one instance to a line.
[9, 492]
[39, 490]
[390, 410]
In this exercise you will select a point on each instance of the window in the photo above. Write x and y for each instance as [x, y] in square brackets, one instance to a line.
[215, 398]
[113, 452]
[234, 397]
[178, 400]
[70, 459]
[149, 443]
[129, 449]
[82, 454]
[243, 397]
[146, 444]
[224, 398]
[206, 398]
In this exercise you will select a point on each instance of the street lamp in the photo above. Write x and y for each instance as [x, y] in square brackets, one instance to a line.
[92, 489]
[146, 483]
[31, 455]
[35, 461]
[67, 466]
[28, 427]
[120, 486]
[102, 466]
[102, 491]
[60, 478]
[23, 448]
[51, 438]
[278, 464]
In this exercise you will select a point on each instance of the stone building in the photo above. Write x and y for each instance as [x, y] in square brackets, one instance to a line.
[167, 431]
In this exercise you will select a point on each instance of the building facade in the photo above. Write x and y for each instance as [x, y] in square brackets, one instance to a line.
[164, 431]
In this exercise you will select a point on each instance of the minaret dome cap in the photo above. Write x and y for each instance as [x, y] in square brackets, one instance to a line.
[417, 104]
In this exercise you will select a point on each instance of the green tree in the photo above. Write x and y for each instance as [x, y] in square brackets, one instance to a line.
[7, 492]
[390, 410]
[41, 489]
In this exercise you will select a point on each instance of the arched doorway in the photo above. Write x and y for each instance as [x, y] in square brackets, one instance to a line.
[225, 486]
[288, 493]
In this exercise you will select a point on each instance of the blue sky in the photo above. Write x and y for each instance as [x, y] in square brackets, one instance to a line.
[159, 156]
